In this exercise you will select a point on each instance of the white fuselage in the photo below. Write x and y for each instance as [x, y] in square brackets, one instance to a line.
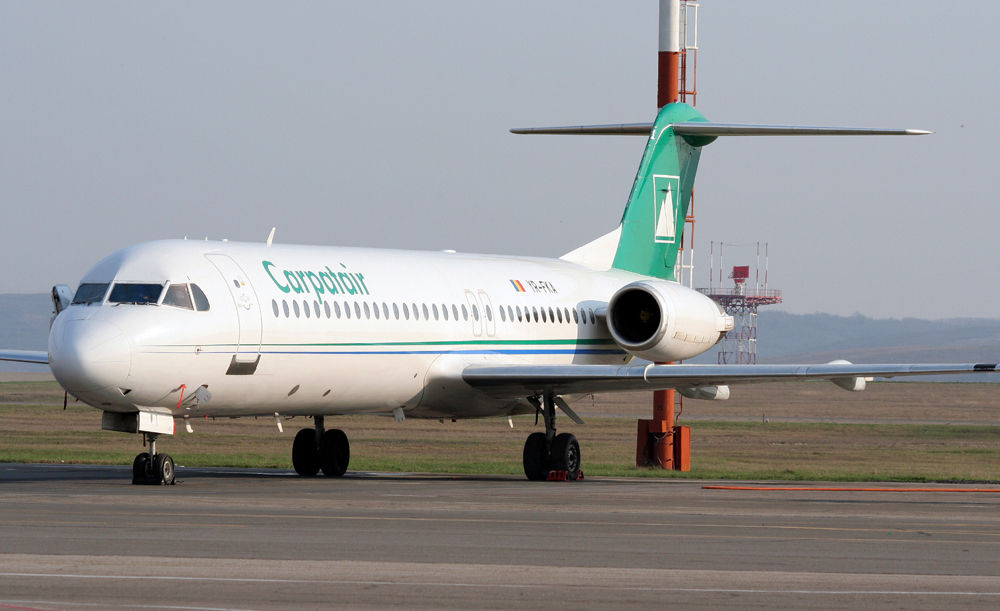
[299, 330]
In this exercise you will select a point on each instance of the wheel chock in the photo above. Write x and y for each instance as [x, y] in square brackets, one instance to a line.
[558, 476]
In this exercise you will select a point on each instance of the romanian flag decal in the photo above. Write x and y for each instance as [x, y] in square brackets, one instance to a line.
[518, 286]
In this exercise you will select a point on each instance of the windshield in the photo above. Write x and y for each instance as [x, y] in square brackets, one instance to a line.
[135, 293]
[91, 292]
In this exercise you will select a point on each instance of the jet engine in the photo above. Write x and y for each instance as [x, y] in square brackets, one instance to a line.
[663, 321]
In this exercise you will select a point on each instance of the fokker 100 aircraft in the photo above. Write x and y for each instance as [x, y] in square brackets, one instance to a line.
[178, 329]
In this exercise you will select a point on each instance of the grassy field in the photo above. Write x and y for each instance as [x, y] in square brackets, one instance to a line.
[878, 437]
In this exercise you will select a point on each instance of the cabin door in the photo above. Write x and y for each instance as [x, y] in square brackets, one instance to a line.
[247, 351]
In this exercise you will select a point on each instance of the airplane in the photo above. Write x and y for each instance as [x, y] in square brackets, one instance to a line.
[175, 329]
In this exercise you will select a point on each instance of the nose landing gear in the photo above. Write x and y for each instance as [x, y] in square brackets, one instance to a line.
[152, 468]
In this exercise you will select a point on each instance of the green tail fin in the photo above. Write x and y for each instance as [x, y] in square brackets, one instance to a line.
[653, 223]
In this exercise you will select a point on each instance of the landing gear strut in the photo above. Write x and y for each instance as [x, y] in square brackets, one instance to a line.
[548, 452]
[315, 449]
[152, 468]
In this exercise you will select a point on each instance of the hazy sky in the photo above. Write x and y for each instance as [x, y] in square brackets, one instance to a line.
[385, 124]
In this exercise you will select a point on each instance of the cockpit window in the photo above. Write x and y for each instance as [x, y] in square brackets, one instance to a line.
[90, 292]
[200, 300]
[127, 292]
[177, 295]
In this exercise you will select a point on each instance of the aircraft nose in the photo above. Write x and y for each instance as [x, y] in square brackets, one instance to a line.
[88, 355]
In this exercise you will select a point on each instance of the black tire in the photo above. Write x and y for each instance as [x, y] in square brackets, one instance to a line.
[163, 469]
[141, 469]
[334, 453]
[535, 459]
[566, 455]
[305, 453]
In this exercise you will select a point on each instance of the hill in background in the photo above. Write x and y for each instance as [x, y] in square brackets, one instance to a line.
[783, 337]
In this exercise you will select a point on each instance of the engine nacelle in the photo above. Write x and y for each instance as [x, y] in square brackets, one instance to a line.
[663, 321]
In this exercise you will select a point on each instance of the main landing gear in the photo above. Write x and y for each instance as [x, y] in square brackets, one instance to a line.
[152, 468]
[547, 453]
[315, 449]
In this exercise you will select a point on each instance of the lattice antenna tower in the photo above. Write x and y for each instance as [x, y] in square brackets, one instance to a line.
[741, 301]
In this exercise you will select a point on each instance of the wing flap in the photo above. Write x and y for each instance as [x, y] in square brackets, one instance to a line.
[526, 380]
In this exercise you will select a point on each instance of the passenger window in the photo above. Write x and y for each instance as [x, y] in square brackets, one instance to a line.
[326, 308]
[200, 300]
[489, 313]
[336, 309]
[357, 310]
[427, 314]
[559, 314]
[347, 310]
[416, 312]
[305, 308]
[375, 311]
[295, 306]
[543, 316]
[395, 310]
[465, 313]
[576, 317]
[519, 319]
[90, 292]
[274, 306]
[454, 311]
[316, 308]
[503, 314]
[284, 306]
[444, 311]
[593, 319]
[534, 312]
[368, 312]
[385, 310]
[435, 308]
[475, 313]
[177, 295]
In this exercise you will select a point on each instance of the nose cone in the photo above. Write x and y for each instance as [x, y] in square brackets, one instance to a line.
[87, 355]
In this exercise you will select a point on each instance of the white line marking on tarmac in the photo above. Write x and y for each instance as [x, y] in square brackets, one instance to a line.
[408, 583]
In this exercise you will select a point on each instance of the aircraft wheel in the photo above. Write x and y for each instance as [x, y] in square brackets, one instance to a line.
[305, 454]
[566, 455]
[334, 453]
[163, 469]
[141, 468]
[535, 460]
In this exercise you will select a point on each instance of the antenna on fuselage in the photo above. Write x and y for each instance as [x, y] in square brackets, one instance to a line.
[270, 237]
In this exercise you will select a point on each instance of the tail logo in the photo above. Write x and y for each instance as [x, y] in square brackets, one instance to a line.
[665, 189]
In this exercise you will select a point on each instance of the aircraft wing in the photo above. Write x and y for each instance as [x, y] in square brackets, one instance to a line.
[530, 380]
[25, 356]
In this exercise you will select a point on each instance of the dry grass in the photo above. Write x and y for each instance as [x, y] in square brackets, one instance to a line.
[34, 428]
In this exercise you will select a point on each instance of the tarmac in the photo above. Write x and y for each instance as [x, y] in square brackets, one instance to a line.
[77, 536]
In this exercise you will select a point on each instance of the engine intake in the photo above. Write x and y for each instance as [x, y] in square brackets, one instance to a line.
[663, 321]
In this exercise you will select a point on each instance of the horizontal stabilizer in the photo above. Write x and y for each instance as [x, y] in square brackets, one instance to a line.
[699, 128]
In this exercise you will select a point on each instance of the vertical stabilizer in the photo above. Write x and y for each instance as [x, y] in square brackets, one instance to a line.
[653, 223]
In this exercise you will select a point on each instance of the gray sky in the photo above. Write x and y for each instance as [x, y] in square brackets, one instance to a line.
[385, 124]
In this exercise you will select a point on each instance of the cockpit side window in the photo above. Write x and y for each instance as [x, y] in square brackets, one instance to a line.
[177, 295]
[200, 300]
[136, 293]
[90, 292]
